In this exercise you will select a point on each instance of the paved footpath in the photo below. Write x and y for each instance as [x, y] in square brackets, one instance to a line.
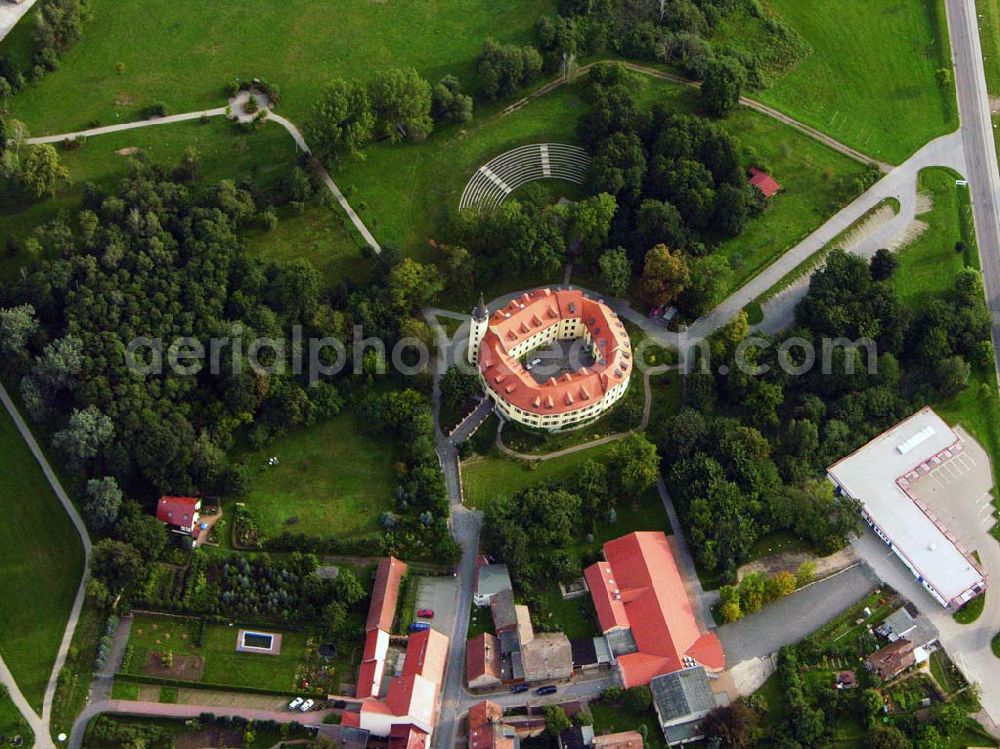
[221, 112]
[11, 13]
[40, 724]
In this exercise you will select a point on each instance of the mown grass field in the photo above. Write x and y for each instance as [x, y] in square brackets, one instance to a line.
[330, 480]
[184, 54]
[264, 156]
[11, 721]
[223, 665]
[870, 80]
[927, 267]
[41, 560]
[989, 37]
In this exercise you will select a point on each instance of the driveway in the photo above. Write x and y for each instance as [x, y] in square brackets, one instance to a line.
[787, 621]
[440, 595]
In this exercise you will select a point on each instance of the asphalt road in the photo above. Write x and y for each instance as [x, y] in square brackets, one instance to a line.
[980, 148]
[794, 617]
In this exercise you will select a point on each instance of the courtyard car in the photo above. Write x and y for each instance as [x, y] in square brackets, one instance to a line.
[518, 688]
[541, 691]
[425, 613]
[294, 704]
[307, 706]
[419, 626]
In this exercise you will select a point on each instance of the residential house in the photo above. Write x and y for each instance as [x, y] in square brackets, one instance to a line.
[487, 729]
[179, 513]
[890, 661]
[482, 662]
[490, 580]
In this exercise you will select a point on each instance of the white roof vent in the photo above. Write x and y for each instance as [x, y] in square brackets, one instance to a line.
[922, 436]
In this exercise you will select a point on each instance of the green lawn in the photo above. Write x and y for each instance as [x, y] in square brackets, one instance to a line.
[223, 665]
[989, 37]
[815, 183]
[185, 54]
[494, 475]
[12, 723]
[265, 156]
[41, 560]
[927, 267]
[616, 718]
[330, 480]
[971, 611]
[870, 80]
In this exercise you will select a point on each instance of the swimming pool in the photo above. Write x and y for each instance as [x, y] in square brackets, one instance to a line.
[258, 640]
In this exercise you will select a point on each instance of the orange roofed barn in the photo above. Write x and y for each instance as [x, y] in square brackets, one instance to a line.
[638, 591]
[537, 319]
[405, 709]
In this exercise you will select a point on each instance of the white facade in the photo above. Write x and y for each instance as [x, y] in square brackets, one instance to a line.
[879, 475]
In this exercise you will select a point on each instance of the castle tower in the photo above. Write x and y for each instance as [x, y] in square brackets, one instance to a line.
[480, 321]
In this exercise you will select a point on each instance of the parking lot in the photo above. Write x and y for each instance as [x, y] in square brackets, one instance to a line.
[957, 492]
[440, 594]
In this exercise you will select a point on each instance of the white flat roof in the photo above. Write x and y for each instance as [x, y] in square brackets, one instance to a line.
[869, 474]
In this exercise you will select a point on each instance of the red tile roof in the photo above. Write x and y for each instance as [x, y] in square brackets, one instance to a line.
[385, 594]
[407, 736]
[764, 182]
[177, 511]
[640, 587]
[426, 653]
[482, 658]
[485, 727]
[533, 312]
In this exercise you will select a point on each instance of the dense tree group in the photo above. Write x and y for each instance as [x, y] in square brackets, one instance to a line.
[746, 455]
[395, 104]
[531, 529]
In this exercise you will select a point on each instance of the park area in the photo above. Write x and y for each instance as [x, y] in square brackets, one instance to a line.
[265, 156]
[404, 192]
[199, 48]
[185, 649]
[41, 560]
[329, 480]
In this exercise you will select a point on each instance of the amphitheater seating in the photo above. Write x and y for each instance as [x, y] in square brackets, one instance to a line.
[494, 181]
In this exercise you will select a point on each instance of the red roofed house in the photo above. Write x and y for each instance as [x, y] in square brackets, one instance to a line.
[482, 662]
[486, 728]
[180, 513]
[764, 182]
[639, 589]
[406, 711]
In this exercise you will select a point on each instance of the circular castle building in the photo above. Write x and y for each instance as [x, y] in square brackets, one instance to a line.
[551, 359]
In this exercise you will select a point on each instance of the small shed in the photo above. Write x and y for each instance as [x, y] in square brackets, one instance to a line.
[764, 182]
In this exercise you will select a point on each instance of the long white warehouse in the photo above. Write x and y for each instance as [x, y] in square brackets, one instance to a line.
[886, 475]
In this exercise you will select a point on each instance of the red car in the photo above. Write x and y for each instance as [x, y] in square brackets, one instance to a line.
[425, 613]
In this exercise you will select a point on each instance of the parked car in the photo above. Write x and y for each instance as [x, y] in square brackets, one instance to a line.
[519, 688]
[542, 691]
[425, 613]
[294, 704]
[534, 362]
[307, 706]
[419, 626]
